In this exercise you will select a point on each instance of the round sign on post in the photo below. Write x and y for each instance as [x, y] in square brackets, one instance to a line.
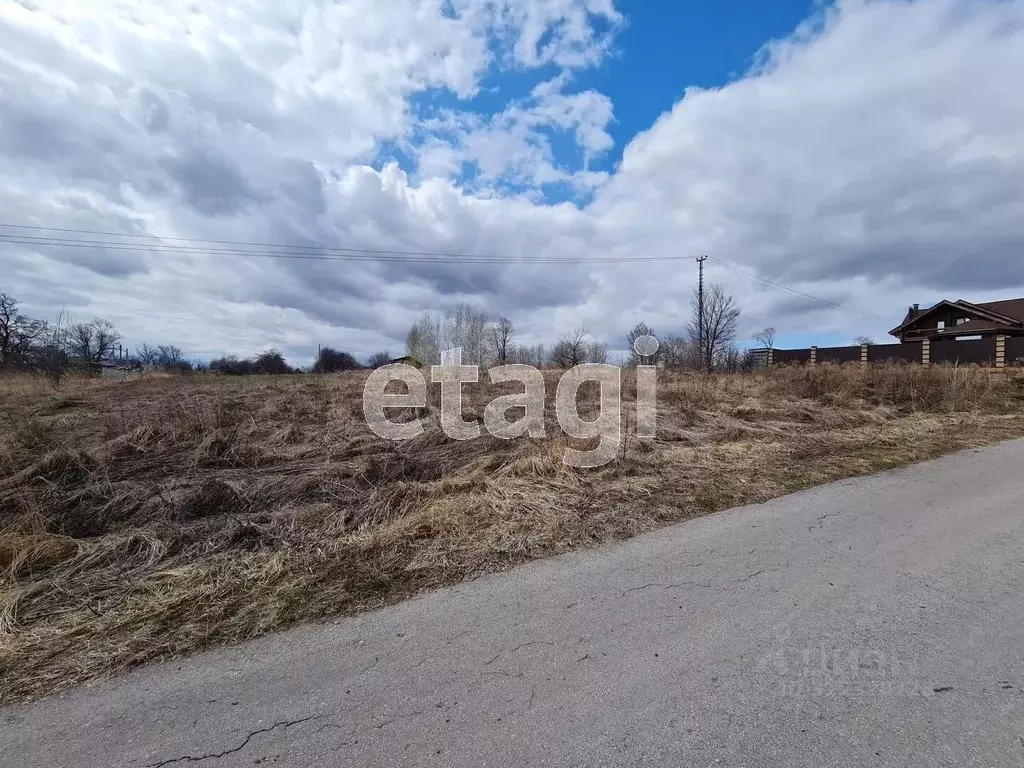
[646, 346]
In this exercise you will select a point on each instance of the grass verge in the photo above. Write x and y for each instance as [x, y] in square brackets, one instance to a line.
[147, 519]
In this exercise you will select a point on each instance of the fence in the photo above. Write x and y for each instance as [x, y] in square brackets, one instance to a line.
[790, 356]
[1015, 350]
[883, 353]
[978, 351]
[995, 351]
[838, 355]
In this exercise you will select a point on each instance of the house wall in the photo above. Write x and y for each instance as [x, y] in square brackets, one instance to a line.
[947, 315]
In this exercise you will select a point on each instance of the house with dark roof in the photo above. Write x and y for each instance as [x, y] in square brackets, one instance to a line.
[962, 320]
[405, 360]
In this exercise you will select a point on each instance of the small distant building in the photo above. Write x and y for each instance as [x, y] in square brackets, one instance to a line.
[110, 370]
[757, 357]
[115, 373]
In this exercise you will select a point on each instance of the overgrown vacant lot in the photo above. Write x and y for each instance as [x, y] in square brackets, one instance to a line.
[149, 518]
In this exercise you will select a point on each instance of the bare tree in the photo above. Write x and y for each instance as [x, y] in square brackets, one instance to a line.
[863, 340]
[538, 356]
[423, 341]
[527, 355]
[18, 334]
[94, 341]
[51, 359]
[165, 356]
[466, 327]
[79, 340]
[463, 326]
[146, 355]
[106, 336]
[596, 353]
[678, 352]
[571, 349]
[720, 316]
[635, 358]
[169, 356]
[728, 357]
[378, 359]
[501, 334]
[766, 337]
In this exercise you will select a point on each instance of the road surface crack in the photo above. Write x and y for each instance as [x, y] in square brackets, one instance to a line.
[821, 519]
[748, 577]
[432, 653]
[705, 585]
[239, 748]
[499, 654]
[396, 718]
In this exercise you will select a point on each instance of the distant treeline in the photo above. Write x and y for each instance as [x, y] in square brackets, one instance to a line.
[329, 360]
[54, 347]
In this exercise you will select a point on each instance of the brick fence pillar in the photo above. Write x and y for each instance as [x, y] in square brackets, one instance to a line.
[769, 358]
[926, 352]
[863, 355]
[814, 355]
[1000, 351]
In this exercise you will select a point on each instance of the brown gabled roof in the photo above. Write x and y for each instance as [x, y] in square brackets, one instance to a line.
[912, 316]
[405, 359]
[1012, 309]
[993, 315]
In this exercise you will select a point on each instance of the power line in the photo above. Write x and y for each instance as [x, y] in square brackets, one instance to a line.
[191, 246]
[267, 250]
[397, 257]
[792, 291]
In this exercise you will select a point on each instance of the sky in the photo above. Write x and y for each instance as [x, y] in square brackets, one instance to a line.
[868, 153]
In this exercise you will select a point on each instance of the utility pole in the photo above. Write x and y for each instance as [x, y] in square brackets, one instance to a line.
[700, 309]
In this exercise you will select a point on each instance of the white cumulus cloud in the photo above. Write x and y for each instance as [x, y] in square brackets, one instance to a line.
[872, 158]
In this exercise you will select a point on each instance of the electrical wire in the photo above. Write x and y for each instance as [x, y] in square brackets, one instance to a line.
[792, 291]
[283, 251]
[191, 246]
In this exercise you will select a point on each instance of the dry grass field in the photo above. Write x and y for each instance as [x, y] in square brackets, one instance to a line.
[146, 519]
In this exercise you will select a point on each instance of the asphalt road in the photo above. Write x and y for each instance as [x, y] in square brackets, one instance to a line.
[873, 622]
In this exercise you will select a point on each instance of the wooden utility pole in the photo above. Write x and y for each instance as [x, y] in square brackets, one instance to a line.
[700, 309]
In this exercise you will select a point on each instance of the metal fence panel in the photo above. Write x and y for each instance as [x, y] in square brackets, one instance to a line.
[978, 351]
[838, 354]
[791, 356]
[880, 353]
